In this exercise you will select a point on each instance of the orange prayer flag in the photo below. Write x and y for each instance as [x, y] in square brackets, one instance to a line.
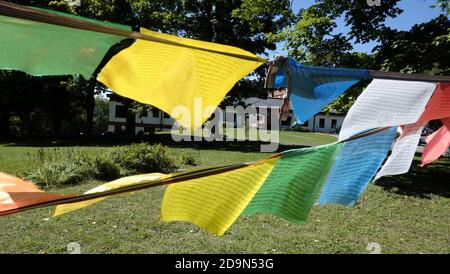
[16, 193]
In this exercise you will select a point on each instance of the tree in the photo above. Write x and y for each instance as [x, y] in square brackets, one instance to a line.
[34, 106]
[101, 115]
[242, 23]
[312, 39]
[444, 5]
[422, 49]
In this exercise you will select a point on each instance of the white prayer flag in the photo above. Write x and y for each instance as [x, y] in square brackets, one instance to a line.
[386, 103]
[403, 152]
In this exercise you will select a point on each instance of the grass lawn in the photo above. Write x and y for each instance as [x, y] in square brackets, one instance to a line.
[404, 214]
[306, 138]
[293, 137]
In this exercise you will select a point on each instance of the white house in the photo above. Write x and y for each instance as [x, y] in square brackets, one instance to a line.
[330, 122]
[151, 119]
[325, 122]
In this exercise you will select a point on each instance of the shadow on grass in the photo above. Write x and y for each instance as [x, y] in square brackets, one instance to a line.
[421, 181]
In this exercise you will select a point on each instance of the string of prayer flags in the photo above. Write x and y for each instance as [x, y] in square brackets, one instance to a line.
[167, 76]
[124, 185]
[185, 78]
[292, 188]
[39, 48]
[387, 103]
[313, 88]
[285, 185]
[437, 143]
[355, 165]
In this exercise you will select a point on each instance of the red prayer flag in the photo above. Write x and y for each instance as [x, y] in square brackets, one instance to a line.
[437, 143]
[439, 105]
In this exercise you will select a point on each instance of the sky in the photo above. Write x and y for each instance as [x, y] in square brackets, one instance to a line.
[414, 12]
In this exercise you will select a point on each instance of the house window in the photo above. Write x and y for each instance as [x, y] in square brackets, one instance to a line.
[333, 123]
[155, 112]
[144, 112]
[166, 115]
[321, 123]
[120, 111]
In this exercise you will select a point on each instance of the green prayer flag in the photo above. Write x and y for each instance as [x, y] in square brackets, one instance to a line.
[294, 184]
[46, 49]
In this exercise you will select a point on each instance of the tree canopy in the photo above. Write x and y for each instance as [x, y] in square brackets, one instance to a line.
[312, 37]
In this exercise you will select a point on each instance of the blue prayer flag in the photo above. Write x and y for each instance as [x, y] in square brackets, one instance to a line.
[313, 88]
[355, 166]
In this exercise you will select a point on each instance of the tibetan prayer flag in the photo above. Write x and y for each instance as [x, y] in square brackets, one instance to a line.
[291, 189]
[168, 76]
[438, 108]
[403, 151]
[313, 88]
[16, 193]
[437, 143]
[119, 183]
[355, 165]
[39, 48]
[386, 103]
[439, 105]
[215, 202]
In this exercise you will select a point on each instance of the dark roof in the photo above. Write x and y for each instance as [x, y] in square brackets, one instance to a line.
[276, 102]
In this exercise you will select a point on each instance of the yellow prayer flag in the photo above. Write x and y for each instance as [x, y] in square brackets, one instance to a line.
[122, 182]
[168, 76]
[215, 202]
